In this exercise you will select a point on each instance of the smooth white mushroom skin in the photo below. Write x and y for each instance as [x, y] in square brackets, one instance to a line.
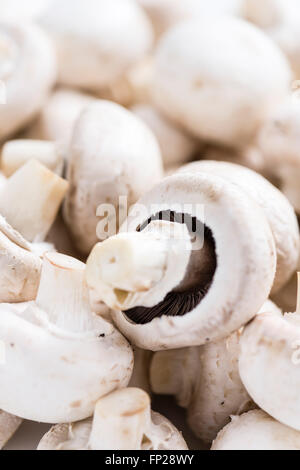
[19, 10]
[9, 424]
[236, 293]
[89, 358]
[31, 198]
[280, 214]
[256, 430]
[98, 42]
[206, 381]
[177, 147]
[15, 153]
[122, 421]
[231, 71]
[112, 154]
[26, 57]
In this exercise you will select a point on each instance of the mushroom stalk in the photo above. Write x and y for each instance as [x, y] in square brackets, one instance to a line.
[130, 265]
[63, 294]
[30, 200]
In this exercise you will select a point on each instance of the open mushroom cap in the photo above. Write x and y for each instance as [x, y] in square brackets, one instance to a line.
[97, 41]
[278, 211]
[256, 430]
[27, 56]
[206, 88]
[65, 356]
[122, 421]
[245, 262]
[9, 424]
[112, 154]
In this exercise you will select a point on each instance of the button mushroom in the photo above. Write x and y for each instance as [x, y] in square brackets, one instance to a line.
[26, 57]
[112, 154]
[269, 365]
[226, 85]
[122, 420]
[168, 292]
[256, 430]
[277, 209]
[97, 41]
[32, 186]
[88, 359]
[206, 381]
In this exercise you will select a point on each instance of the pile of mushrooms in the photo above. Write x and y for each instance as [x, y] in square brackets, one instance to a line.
[149, 224]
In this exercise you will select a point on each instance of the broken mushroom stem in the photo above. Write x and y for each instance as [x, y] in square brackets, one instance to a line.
[128, 266]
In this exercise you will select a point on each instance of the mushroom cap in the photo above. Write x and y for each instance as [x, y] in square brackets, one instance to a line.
[278, 211]
[245, 253]
[233, 70]
[177, 147]
[112, 154]
[256, 430]
[97, 42]
[8, 426]
[27, 57]
[62, 374]
[269, 365]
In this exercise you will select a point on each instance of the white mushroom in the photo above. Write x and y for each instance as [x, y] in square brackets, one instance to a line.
[27, 74]
[256, 430]
[96, 40]
[277, 209]
[9, 424]
[122, 420]
[30, 201]
[140, 374]
[112, 154]
[20, 10]
[177, 147]
[250, 157]
[65, 357]
[170, 292]
[269, 365]
[219, 78]
[206, 381]
[57, 119]
[15, 153]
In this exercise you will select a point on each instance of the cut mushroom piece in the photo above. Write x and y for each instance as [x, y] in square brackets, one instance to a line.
[234, 240]
[9, 424]
[98, 42]
[206, 88]
[256, 430]
[57, 119]
[26, 57]
[269, 365]
[16, 153]
[114, 159]
[122, 421]
[31, 199]
[65, 356]
[277, 209]
[177, 147]
[206, 381]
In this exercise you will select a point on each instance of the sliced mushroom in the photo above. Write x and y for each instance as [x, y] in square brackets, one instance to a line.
[65, 356]
[206, 381]
[202, 83]
[98, 42]
[112, 155]
[122, 421]
[256, 430]
[177, 147]
[16, 153]
[163, 299]
[26, 57]
[269, 365]
[9, 424]
[277, 209]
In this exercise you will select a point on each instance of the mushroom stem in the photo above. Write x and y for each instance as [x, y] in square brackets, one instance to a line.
[63, 294]
[135, 262]
[30, 200]
[120, 420]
